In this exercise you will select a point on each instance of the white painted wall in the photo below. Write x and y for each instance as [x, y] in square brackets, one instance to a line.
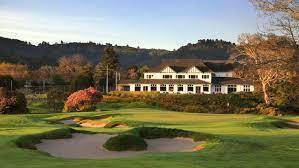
[159, 75]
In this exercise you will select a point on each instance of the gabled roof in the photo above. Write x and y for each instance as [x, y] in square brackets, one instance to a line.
[182, 65]
[163, 81]
[222, 67]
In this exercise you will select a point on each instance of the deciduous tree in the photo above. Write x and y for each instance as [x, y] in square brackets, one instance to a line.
[270, 58]
[73, 65]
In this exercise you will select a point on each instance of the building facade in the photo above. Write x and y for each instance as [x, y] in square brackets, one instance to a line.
[189, 76]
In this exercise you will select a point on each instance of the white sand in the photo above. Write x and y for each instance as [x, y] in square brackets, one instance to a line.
[293, 123]
[89, 146]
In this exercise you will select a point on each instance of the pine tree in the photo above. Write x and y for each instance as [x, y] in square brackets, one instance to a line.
[110, 60]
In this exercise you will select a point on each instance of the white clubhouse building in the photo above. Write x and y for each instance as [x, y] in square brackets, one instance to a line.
[193, 76]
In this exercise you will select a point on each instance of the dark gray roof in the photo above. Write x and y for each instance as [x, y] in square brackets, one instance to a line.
[182, 65]
[163, 81]
[230, 80]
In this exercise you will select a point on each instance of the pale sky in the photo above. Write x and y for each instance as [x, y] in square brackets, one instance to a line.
[166, 24]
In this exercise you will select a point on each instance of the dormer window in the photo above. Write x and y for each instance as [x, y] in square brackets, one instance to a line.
[149, 76]
[180, 76]
[205, 76]
[167, 76]
[193, 76]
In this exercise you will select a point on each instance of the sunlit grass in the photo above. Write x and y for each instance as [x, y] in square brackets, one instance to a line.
[245, 140]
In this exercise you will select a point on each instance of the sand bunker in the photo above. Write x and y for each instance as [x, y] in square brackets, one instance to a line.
[89, 146]
[92, 123]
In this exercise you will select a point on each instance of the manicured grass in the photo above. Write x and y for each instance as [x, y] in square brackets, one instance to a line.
[125, 142]
[245, 141]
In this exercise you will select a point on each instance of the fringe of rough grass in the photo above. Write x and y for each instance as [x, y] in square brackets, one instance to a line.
[29, 141]
[156, 132]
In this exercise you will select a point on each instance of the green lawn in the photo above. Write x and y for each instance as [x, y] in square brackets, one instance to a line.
[244, 140]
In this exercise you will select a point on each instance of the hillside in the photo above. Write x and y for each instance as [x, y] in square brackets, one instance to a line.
[16, 51]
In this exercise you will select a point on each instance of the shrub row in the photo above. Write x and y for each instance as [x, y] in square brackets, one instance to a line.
[203, 103]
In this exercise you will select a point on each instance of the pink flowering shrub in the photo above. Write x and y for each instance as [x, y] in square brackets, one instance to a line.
[83, 100]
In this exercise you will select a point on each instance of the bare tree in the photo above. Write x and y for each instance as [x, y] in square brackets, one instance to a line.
[73, 65]
[283, 16]
[269, 59]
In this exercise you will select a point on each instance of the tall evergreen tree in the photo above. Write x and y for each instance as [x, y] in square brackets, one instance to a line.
[109, 60]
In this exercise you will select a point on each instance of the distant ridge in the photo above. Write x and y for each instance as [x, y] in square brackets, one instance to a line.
[17, 51]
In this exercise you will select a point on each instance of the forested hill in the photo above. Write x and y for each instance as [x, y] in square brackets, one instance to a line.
[17, 51]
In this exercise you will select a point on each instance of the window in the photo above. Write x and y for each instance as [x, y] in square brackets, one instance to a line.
[217, 88]
[149, 76]
[231, 88]
[167, 76]
[126, 88]
[137, 87]
[171, 88]
[205, 88]
[180, 88]
[246, 88]
[190, 88]
[145, 88]
[205, 76]
[193, 76]
[153, 87]
[163, 88]
[180, 76]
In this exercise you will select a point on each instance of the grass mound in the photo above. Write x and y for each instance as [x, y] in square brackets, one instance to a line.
[156, 132]
[125, 142]
[272, 123]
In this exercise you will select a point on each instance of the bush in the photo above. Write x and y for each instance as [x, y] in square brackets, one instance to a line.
[12, 102]
[55, 99]
[268, 110]
[83, 100]
[81, 81]
[125, 142]
[6, 81]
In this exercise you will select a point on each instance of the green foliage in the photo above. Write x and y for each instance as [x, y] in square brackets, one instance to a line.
[268, 110]
[12, 102]
[286, 96]
[55, 99]
[58, 80]
[81, 81]
[6, 81]
[133, 72]
[108, 60]
[156, 132]
[125, 142]
[204, 103]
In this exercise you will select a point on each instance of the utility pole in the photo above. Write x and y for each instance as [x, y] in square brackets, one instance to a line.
[107, 83]
[11, 85]
[116, 80]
